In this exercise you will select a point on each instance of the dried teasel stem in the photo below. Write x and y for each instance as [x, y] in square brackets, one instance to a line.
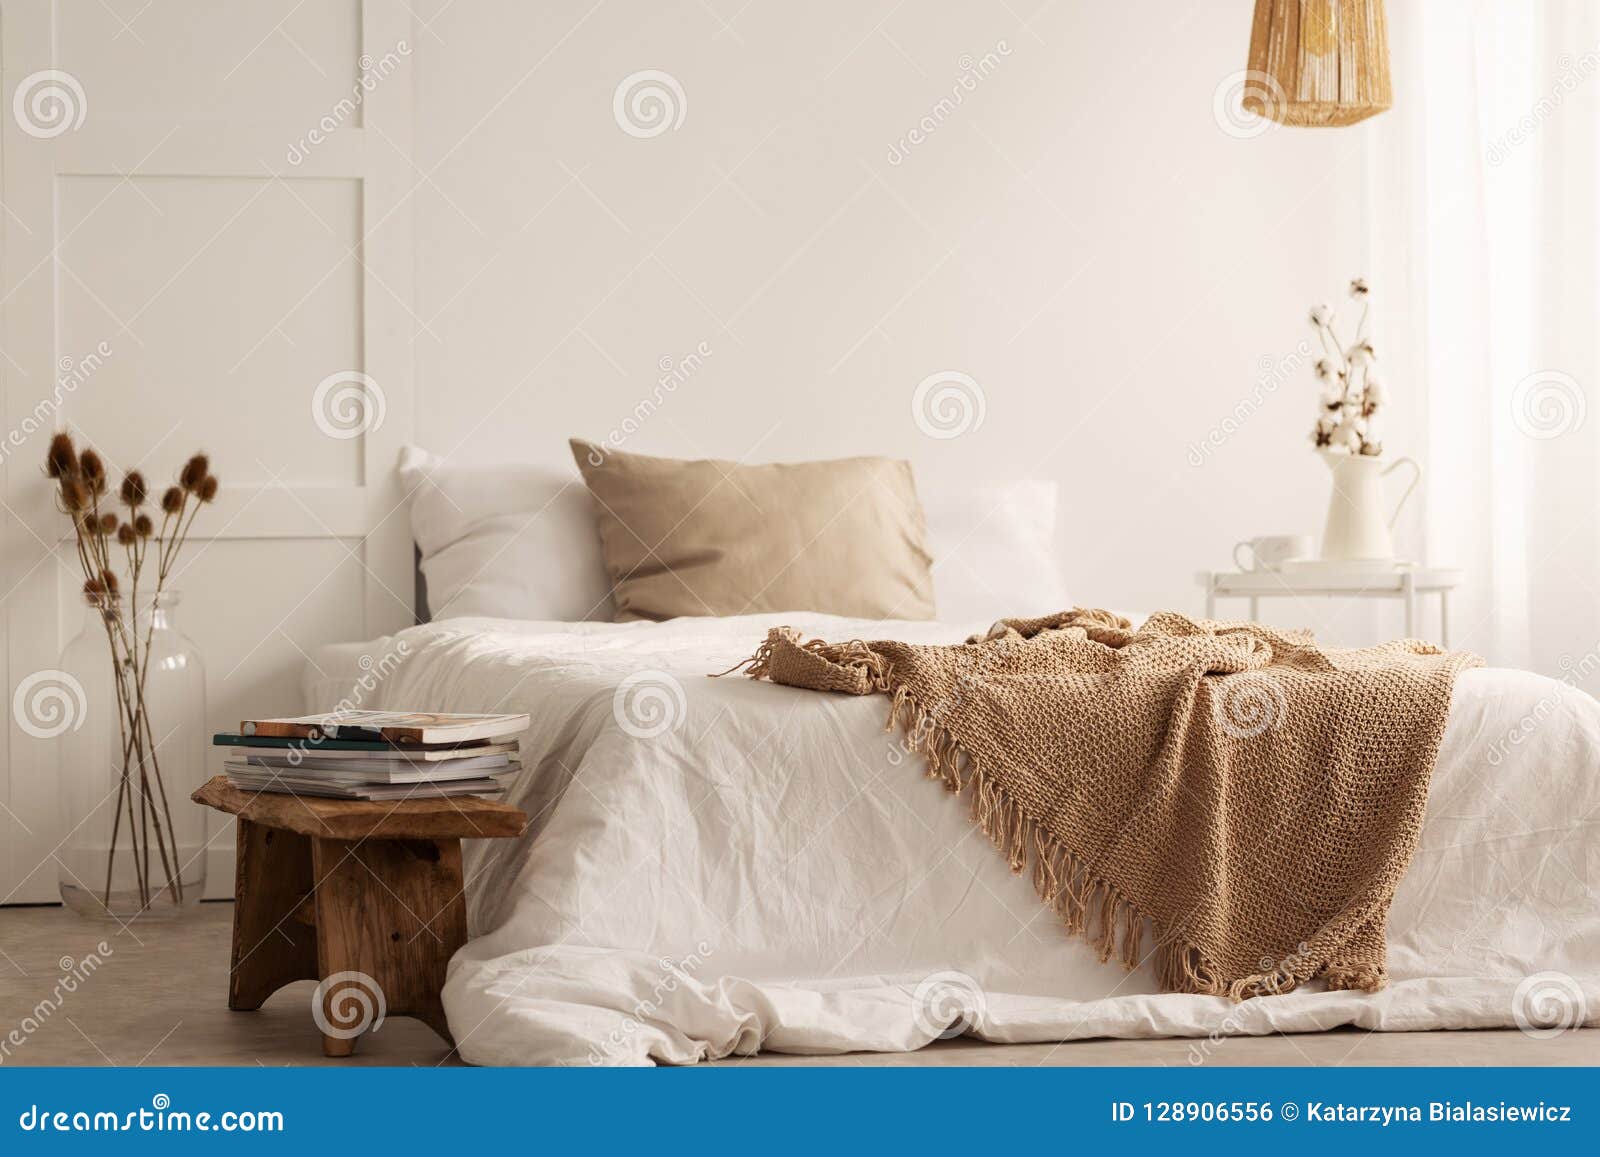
[83, 492]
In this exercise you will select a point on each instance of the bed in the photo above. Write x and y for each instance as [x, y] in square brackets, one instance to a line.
[717, 866]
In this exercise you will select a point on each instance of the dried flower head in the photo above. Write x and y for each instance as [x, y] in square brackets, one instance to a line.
[1372, 449]
[1358, 287]
[94, 471]
[62, 457]
[124, 514]
[194, 472]
[1321, 315]
[134, 491]
[74, 494]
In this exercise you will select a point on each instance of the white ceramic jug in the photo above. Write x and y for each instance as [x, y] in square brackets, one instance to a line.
[1356, 527]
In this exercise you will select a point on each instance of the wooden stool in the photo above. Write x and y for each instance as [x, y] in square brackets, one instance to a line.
[328, 886]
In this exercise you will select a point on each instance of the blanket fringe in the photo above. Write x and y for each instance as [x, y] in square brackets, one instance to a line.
[1360, 979]
[854, 655]
[1086, 904]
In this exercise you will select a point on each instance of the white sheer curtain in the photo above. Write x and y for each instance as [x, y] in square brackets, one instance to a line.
[1486, 214]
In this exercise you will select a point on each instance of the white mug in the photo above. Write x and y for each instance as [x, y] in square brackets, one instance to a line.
[1270, 551]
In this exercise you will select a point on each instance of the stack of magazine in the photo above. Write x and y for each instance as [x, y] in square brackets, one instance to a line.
[373, 755]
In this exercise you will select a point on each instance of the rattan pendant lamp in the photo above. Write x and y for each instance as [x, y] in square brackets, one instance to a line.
[1318, 62]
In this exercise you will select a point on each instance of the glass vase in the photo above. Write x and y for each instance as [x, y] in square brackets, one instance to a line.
[136, 843]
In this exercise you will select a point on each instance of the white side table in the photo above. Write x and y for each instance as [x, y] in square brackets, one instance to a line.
[1407, 585]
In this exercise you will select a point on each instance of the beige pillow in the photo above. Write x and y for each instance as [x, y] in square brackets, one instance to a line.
[721, 538]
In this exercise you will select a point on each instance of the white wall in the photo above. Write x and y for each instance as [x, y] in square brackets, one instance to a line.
[1079, 236]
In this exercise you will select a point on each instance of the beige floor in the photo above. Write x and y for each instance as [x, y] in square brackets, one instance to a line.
[163, 1002]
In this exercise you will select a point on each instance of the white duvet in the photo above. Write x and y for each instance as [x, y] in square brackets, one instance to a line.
[718, 866]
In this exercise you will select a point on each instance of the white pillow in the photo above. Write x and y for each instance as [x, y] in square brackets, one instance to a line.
[505, 541]
[517, 541]
[993, 550]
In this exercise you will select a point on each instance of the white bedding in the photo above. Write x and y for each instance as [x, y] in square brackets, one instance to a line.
[762, 867]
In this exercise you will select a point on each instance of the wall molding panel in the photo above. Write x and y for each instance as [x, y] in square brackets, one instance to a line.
[213, 249]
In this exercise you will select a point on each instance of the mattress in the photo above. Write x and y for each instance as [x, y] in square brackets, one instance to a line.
[717, 866]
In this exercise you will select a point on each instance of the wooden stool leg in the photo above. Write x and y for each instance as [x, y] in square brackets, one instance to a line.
[393, 911]
[272, 946]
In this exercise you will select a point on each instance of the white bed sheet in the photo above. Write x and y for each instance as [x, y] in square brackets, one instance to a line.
[762, 867]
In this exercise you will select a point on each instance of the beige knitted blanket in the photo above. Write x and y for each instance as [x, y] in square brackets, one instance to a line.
[1245, 797]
